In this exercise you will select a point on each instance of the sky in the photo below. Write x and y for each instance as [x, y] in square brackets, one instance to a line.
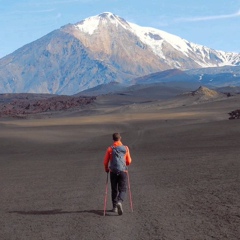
[212, 23]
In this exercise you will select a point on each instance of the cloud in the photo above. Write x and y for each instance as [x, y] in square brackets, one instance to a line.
[207, 18]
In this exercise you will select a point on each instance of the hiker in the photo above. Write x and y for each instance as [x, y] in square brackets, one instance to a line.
[116, 160]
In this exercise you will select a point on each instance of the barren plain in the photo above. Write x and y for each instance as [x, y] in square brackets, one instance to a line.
[184, 177]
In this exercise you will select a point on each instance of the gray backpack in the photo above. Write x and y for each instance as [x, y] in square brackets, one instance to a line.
[118, 162]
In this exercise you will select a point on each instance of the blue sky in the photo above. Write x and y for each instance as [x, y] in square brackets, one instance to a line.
[212, 23]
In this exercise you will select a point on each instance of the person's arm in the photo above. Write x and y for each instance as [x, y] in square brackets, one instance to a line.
[106, 160]
[128, 157]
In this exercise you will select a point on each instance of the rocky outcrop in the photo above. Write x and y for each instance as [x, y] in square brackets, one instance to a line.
[234, 114]
[206, 93]
[16, 105]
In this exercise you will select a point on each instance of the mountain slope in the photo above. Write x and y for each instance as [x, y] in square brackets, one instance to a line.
[57, 63]
[99, 50]
[170, 50]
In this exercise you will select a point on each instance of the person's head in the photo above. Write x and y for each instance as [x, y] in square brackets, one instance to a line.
[116, 137]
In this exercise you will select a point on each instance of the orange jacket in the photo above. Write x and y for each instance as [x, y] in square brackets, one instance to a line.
[108, 155]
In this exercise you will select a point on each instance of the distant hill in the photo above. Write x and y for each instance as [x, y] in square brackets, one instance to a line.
[102, 89]
[217, 76]
[204, 94]
[232, 90]
[170, 75]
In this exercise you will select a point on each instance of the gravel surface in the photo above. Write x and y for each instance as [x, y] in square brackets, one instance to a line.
[184, 179]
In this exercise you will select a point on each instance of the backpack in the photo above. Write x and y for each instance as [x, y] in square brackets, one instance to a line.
[118, 162]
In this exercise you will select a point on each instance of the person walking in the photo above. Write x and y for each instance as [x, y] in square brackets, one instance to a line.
[116, 160]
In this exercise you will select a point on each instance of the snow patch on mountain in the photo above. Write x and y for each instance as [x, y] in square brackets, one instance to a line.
[154, 38]
[90, 25]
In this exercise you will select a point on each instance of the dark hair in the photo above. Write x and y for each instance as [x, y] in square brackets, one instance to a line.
[116, 136]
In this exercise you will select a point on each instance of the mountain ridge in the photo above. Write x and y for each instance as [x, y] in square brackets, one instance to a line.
[99, 50]
[154, 38]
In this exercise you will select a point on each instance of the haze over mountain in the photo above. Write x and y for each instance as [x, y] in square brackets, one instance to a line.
[99, 50]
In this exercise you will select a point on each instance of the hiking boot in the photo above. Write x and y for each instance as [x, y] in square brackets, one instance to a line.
[119, 208]
[115, 210]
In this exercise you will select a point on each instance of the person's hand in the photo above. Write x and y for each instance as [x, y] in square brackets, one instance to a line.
[107, 170]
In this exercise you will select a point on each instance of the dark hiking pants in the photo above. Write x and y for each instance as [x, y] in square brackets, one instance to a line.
[119, 186]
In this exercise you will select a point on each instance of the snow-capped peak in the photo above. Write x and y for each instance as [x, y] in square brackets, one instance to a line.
[89, 25]
[161, 43]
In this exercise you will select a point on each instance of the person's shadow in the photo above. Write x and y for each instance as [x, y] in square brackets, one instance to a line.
[60, 211]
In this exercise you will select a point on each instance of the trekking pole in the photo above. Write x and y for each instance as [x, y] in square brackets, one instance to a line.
[130, 194]
[105, 199]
